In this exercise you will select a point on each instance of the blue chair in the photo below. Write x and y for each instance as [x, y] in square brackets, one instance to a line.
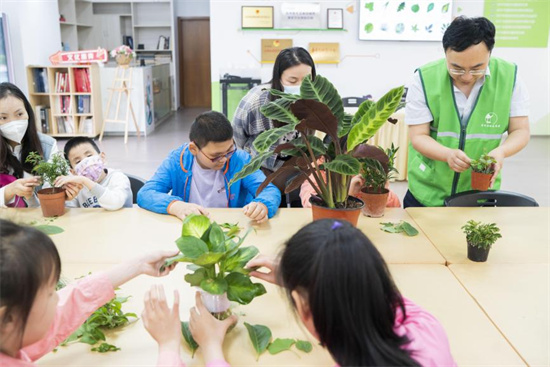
[489, 198]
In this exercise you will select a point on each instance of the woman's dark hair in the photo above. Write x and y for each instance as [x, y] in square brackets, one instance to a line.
[464, 32]
[350, 292]
[30, 142]
[288, 58]
[28, 261]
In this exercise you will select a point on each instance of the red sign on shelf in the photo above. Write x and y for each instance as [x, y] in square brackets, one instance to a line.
[79, 57]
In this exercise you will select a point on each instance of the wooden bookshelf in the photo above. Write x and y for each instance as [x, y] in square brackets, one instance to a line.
[70, 112]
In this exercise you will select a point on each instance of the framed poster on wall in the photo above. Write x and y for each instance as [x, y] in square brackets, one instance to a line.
[397, 20]
[272, 47]
[335, 18]
[257, 17]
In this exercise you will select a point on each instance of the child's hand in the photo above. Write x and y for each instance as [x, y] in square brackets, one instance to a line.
[207, 331]
[256, 211]
[160, 321]
[271, 263]
[71, 190]
[151, 263]
[22, 187]
[181, 209]
[356, 184]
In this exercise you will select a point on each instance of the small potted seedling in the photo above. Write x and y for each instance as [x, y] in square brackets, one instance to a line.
[52, 199]
[218, 263]
[376, 172]
[482, 171]
[480, 238]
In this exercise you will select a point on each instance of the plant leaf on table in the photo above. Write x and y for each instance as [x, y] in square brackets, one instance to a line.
[280, 345]
[49, 230]
[260, 336]
[304, 346]
[189, 338]
[401, 227]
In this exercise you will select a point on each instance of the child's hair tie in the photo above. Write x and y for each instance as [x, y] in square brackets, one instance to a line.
[336, 225]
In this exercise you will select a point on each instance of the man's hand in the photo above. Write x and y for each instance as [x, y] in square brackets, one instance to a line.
[457, 160]
[498, 155]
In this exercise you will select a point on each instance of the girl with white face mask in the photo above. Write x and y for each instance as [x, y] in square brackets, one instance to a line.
[18, 137]
[291, 67]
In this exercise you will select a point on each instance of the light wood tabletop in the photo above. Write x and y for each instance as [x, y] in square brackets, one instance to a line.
[525, 232]
[515, 297]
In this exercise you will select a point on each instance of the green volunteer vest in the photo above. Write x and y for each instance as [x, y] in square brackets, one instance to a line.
[431, 181]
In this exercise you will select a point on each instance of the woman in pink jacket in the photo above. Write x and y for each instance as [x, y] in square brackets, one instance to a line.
[34, 318]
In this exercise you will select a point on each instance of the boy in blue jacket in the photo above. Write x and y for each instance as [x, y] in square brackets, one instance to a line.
[197, 175]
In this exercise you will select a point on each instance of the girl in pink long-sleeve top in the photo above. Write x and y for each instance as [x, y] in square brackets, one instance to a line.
[34, 318]
[345, 296]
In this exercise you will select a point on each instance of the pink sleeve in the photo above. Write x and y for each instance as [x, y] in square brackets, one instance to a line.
[77, 301]
[218, 363]
[169, 359]
[306, 190]
[428, 345]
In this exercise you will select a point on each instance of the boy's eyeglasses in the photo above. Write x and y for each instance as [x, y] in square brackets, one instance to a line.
[220, 157]
[472, 72]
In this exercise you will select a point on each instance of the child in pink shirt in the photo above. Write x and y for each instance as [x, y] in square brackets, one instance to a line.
[345, 296]
[34, 318]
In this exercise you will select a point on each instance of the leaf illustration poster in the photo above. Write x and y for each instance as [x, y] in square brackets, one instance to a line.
[404, 20]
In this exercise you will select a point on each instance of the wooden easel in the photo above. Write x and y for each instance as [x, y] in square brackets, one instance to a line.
[121, 84]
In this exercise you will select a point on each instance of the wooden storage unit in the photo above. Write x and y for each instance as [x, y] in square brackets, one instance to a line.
[73, 110]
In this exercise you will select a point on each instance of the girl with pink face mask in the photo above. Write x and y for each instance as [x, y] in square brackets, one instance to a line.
[98, 186]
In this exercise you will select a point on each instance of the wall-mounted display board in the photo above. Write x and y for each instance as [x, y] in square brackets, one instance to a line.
[404, 20]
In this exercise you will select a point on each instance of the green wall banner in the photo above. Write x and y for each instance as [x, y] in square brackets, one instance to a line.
[519, 23]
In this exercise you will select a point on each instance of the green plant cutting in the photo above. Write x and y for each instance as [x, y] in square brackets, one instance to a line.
[481, 235]
[48, 171]
[319, 107]
[401, 227]
[485, 164]
[260, 336]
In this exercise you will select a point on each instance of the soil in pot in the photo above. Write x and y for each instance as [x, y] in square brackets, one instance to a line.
[350, 213]
[52, 201]
[375, 203]
[477, 254]
[481, 181]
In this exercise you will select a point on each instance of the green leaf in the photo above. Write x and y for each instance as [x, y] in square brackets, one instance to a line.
[240, 258]
[279, 110]
[280, 345]
[216, 238]
[251, 167]
[209, 258]
[174, 259]
[49, 230]
[445, 8]
[430, 7]
[401, 7]
[268, 138]
[323, 91]
[191, 247]
[369, 6]
[196, 278]
[214, 286]
[363, 108]
[316, 144]
[344, 164]
[105, 347]
[189, 338]
[195, 225]
[345, 126]
[304, 346]
[369, 27]
[278, 93]
[374, 118]
[241, 289]
[408, 229]
[415, 8]
[260, 337]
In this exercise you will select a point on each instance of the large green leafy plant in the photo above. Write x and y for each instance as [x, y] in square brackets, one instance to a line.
[217, 258]
[331, 162]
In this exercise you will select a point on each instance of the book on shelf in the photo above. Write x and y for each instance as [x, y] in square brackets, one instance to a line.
[163, 58]
[82, 80]
[85, 126]
[83, 104]
[65, 125]
[163, 43]
[38, 116]
[61, 82]
[65, 104]
[60, 125]
[128, 41]
[40, 80]
[46, 123]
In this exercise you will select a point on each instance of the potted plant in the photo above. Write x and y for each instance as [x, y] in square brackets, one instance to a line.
[52, 199]
[331, 162]
[218, 263]
[480, 238]
[123, 55]
[376, 173]
[482, 171]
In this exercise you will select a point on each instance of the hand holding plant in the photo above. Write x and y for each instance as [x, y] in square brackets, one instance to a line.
[49, 171]
[498, 155]
[161, 321]
[23, 187]
[457, 160]
[208, 331]
[270, 263]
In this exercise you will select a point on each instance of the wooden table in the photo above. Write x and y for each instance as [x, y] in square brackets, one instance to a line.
[99, 236]
[515, 297]
[525, 232]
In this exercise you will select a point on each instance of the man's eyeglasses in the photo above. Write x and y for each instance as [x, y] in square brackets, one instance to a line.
[220, 157]
[472, 72]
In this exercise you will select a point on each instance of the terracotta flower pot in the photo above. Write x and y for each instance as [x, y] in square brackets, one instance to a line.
[477, 254]
[481, 181]
[322, 212]
[123, 59]
[217, 304]
[375, 203]
[52, 201]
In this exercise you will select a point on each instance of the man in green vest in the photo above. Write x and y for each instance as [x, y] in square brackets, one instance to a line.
[458, 108]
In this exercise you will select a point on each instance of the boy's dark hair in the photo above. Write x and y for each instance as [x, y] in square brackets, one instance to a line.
[76, 141]
[351, 294]
[30, 142]
[464, 32]
[28, 261]
[210, 126]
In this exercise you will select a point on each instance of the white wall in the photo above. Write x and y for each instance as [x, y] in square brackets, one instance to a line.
[367, 67]
[34, 34]
[192, 8]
